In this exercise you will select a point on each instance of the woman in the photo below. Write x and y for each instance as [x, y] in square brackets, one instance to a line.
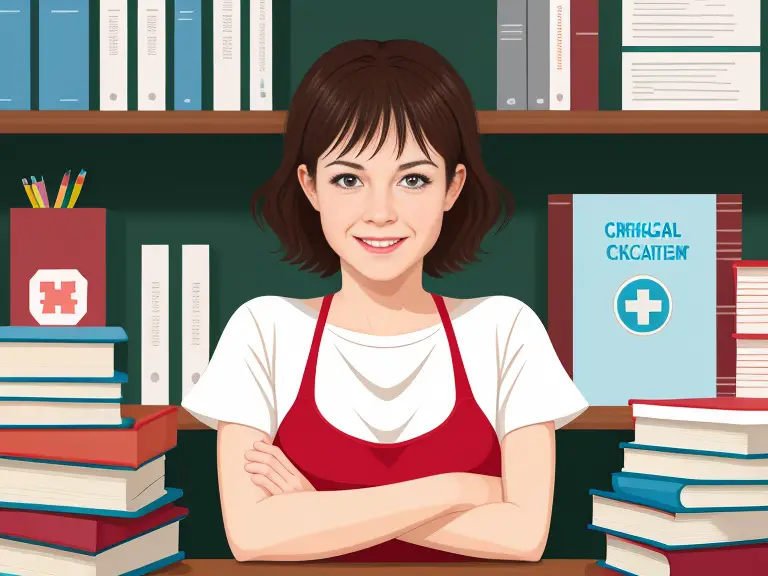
[384, 423]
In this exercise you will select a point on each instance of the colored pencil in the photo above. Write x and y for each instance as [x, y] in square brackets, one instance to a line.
[62, 189]
[39, 198]
[43, 192]
[76, 189]
[30, 193]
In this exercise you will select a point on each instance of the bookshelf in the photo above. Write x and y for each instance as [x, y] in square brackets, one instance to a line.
[233, 568]
[595, 418]
[489, 122]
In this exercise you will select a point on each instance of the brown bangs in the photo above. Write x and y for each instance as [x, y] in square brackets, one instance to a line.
[350, 97]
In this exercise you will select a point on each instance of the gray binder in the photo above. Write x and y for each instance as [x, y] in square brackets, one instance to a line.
[511, 58]
[538, 54]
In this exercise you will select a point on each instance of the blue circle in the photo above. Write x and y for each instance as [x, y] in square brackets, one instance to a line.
[643, 306]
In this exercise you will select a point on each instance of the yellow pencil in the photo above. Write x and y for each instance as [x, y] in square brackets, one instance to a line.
[39, 198]
[76, 189]
[30, 194]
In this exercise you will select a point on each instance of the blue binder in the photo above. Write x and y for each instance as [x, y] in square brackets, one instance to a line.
[187, 55]
[15, 67]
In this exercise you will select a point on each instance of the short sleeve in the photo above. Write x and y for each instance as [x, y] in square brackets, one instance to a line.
[238, 385]
[533, 385]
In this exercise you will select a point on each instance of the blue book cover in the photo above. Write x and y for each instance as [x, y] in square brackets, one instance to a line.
[117, 378]
[644, 296]
[15, 50]
[79, 334]
[691, 452]
[187, 55]
[63, 57]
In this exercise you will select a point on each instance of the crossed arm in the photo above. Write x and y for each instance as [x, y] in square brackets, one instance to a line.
[271, 512]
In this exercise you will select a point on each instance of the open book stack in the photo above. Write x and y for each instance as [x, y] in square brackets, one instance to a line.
[692, 496]
[82, 490]
[751, 277]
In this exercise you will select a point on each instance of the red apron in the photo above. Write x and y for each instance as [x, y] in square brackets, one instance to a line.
[333, 460]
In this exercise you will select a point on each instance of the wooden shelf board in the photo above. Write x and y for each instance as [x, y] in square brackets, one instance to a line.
[594, 418]
[489, 122]
[234, 568]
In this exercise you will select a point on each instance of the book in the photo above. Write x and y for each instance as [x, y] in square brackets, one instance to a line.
[85, 486]
[511, 55]
[751, 366]
[226, 54]
[144, 439]
[751, 283]
[702, 56]
[607, 253]
[538, 52]
[155, 385]
[683, 494]
[64, 388]
[151, 71]
[195, 313]
[15, 66]
[261, 55]
[65, 287]
[113, 55]
[82, 532]
[693, 464]
[60, 412]
[585, 55]
[187, 55]
[58, 351]
[622, 515]
[63, 56]
[559, 54]
[638, 558]
[740, 411]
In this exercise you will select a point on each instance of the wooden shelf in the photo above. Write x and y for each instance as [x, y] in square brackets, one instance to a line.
[233, 568]
[489, 122]
[595, 418]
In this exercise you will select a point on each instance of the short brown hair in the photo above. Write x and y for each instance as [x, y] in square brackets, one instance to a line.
[348, 92]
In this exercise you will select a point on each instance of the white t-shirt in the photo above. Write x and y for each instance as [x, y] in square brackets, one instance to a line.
[384, 388]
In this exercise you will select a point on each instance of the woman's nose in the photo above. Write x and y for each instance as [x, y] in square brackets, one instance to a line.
[380, 207]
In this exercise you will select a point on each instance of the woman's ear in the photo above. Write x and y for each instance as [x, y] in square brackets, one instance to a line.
[308, 185]
[455, 187]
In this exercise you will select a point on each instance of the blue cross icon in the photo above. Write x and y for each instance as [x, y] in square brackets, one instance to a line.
[643, 305]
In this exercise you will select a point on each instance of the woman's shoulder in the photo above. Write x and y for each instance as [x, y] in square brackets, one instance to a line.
[271, 311]
[495, 309]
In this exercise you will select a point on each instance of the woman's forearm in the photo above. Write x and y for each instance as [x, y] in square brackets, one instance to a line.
[314, 525]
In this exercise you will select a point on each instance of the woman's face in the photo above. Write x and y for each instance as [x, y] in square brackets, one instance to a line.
[382, 214]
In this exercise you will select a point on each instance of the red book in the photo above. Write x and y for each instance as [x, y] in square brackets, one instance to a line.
[150, 436]
[58, 266]
[80, 532]
[561, 277]
[723, 409]
[585, 56]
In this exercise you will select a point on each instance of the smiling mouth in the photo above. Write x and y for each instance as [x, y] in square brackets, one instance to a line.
[380, 245]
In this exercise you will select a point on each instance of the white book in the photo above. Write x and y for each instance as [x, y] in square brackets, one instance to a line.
[261, 55]
[226, 54]
[69, 412]
[150, 63]
[195, 314]
[560, 55]
[113, 55]
[155, 385]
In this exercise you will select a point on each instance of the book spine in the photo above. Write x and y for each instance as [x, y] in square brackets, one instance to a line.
[187, 55]
[511, 55]
[560, 59]
[15, 64]
[155, 386]
[63, 55]
[261, 53]
[560, 277]
[226, 54]
[150, 60]
[113, 55]
[538, 53]
[729, 250]
[195, 314]
[585, 55]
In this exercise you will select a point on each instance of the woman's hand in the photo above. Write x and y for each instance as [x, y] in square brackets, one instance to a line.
[270, 469]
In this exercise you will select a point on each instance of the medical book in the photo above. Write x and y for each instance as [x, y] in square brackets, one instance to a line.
[640, 293]
[585, 55]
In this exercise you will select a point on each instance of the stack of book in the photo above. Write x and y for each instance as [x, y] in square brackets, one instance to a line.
[82, 490]
[751, 277]
[692, 496]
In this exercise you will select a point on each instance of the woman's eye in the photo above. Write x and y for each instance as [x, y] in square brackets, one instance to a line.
[415, 181]
[347, 181]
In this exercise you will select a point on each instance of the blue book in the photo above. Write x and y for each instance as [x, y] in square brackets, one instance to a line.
[644, 296]
[187, 55]
[74, 334]
[15, 49]
[64, 53]
[117, 378]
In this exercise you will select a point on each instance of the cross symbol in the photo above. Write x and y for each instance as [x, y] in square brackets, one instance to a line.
[643, 306]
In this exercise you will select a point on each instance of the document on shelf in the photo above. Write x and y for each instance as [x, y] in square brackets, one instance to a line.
[691, 23]
[690, 81]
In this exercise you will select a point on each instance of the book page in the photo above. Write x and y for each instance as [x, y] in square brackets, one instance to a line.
[690, 81]
[691, 23]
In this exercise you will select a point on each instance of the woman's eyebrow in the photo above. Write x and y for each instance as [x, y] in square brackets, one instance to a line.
[406, 166]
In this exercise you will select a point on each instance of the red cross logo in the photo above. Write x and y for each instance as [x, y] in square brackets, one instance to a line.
[61, 297]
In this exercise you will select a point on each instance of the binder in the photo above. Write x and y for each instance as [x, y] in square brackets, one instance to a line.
[187, 56]
[261, 55]
[226, 54]
[150, 61]
[113, 55]
[195, 314]
[155, 385]
[15, 65]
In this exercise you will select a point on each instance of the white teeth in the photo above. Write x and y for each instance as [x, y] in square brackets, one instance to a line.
[379, 243]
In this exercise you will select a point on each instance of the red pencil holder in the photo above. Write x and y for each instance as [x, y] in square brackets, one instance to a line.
[58, 266]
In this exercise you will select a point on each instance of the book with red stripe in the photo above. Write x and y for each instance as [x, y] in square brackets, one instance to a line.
[611, 253]
[585, 56]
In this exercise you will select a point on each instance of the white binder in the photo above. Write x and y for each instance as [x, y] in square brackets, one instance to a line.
[261, 55]
[151, 55]
[113, 55]
[226, 54]
[195, 314]
[155, 385]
